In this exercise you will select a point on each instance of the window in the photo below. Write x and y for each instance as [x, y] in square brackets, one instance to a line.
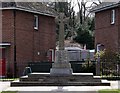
[36, 22]
[112, 16]
[100, 47]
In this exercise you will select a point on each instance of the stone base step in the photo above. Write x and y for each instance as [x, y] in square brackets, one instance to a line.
[48, 74]
[48, 78]
[40, 79]
[62, 79]
[59, 84]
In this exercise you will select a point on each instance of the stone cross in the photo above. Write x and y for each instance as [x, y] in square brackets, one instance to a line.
[61, 32]
[63, 20]
[61, 66]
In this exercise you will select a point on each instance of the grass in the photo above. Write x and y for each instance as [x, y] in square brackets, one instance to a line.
[8, 79]
[110, 77]
[109, 91]
[9, 92]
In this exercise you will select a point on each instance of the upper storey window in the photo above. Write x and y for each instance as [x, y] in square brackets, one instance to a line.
[113, 16]
[36, 22]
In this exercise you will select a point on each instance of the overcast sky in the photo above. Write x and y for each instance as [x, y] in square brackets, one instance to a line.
[74, 3]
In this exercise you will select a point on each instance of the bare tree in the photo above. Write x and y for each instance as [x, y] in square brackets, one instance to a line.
[84, 9]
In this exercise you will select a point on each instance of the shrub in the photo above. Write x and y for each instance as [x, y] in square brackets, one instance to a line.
[109, 61]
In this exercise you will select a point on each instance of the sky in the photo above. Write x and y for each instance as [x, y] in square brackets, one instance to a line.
[74, 3]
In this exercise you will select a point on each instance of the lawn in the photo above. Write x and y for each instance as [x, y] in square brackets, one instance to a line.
[109, 91]
[9, 92]
[8, 79]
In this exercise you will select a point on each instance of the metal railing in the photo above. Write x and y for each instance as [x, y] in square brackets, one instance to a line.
[44, 67]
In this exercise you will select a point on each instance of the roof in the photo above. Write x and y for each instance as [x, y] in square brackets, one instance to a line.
[34, 7]
[105, 6]
[69, 43]
[73, 48]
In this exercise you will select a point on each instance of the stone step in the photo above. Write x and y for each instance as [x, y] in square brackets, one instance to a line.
[37, 75]
[45, 79]
[40, 79]
[48, 78]
[59, 84]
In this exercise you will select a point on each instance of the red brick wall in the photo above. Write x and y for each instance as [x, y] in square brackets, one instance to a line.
[105, 32]
[119, 28]
[8, 36]
[28, 41]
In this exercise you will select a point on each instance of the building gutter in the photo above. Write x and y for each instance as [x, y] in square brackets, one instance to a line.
[105, 7]
[27, 10]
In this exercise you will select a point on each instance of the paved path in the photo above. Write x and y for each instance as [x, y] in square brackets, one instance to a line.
[83, 89]
[4, 85]
[63, 90]
[54, 89]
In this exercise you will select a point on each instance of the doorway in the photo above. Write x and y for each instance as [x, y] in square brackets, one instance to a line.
[2, 62]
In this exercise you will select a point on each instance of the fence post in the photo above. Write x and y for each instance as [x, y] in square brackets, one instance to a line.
[118, 68]
[98, 66]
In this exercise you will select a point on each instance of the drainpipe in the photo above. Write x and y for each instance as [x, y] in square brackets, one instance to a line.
[15, 63]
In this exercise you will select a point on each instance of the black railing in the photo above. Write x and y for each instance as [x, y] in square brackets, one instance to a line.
[24, 68]
[77, 66]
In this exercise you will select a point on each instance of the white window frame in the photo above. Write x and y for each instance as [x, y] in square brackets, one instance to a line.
[98, 47]
[36, 22]
[113, 16]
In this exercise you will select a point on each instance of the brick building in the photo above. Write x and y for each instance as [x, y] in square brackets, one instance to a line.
[107, 26]
[28, 33]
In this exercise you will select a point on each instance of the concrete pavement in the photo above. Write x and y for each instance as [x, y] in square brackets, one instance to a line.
[53, 88]
[5, 86]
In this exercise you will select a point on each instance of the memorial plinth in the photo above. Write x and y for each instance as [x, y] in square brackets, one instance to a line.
[45, 79]
[61, 66]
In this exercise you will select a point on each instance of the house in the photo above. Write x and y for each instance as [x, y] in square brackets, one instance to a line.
[107, 26]
[28, 33]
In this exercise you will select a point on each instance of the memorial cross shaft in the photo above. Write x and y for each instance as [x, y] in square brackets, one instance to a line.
[61, 32]
[61, 66]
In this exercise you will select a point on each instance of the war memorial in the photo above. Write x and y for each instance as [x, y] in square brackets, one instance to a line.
[61, 73]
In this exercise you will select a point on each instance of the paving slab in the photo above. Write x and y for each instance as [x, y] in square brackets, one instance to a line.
[53, 88]
[5, 86]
